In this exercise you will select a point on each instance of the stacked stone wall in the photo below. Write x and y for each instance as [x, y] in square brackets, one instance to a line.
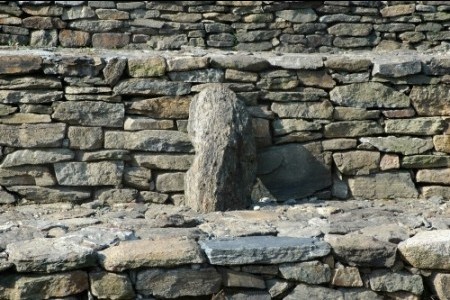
[288, 26]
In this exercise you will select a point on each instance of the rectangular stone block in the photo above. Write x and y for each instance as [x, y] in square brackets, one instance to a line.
[147, 66]
[19, 64]
[316, 110]
[89, 174]
[27, 175]
[32, 135]
[439, 176]
[145, 87]
[442, 143]
[30, 96]
[170, 182]
[85, 137]
[416, 126]
[164, 161]
[352, 129]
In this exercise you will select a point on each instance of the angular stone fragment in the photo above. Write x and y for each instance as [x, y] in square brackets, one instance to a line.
[7, 198]
[162, 107]
[203, 75]
[143, 123]
[416, 126]
[397, 10]
[360, 250]
[426, 161]
[316, 78]
[145, 87]
[396, 66]
[346, 276]
[339, 144]
[29, 96]
[25, 118]
[352, 129]
[263, 250]
[112, 196]
[389, 162]
[368, 95]
[32, 135]
[350, 29]
[19, 64]
[312, 272]
[383, 186]
[221, 132]
[149, 140]
[304, 94]
[85, 137]
[304, 15]
[26, 175]
[186, 63]
[442, 143]
[403, 145]
[96, 26]
[306, 292]
[49, 255]
[147, 67]
[436, 190]
[174, 283]
[114, 69]
[150, 253]
[440, 283]
[431, 100]
[50, 195]
[137, 177]
[104, 155]
[360, 294]
[165, 161]
[74, 38]
[36, 157]
[239, 62]
[353, 113]
[440, 176]
[6, 110]
[385, 281]
[231, 278]
[278, 287]
[170, 182]
[30, 83]
[315, 110]
[242, 76]
[106, 285]
[357, 162]
[90, 113]
[285, 126]
[153, 197]
[89, 174]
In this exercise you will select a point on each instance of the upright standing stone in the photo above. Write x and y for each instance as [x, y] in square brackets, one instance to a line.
[224, 168]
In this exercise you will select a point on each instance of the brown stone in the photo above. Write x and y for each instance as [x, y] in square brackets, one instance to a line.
[431, 100]
[110, 40]
[383, 186]
[43, 23]
[440, 176]
[146, 67]
[106, 285]
[436, 190]
[170, 107]
[348, 63]
[398, 10]
[399, 113]
[346, 276]
[18, 64]
[442, 143]
[357, 162]
[74, 38]
[316, 78]
[389, 162]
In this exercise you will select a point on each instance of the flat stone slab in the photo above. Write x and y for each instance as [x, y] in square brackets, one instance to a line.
[263, 250]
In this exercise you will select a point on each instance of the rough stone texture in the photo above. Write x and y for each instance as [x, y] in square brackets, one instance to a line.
[362, 250]
[440, 176]
[178, 282]
[368, 95]
[221, 132]
[49, 255]
[170, 182]
[312, 272]
[19, 64]
[31, 96]
[352, 129]
[147, 67]
[436, 190]
[150, 253]
[383, 186]
[442, 143]
[346, 276]
[440, 283]
[306, 292]
[36, 157]
[263, 250]
[396, 67]
[89, 174]
[163, 107]
[117, 195]
[106, 285]
[32, 135]
[73, 38]
[386, 281]
[143, 123]
[50, 195]
[431, 100]
[85, 138]
[357, 162]
[315, 110]
[145, 87]
[235, 279]
[137, 177]
[417, 126]
[292, 171]
[164, 161]
[425, 161]
[402, 145]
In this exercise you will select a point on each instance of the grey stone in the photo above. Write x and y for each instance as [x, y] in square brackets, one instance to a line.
[90, 113]
[440, 176]
[89, 174]
[85, 137]
[96, 26]
[7, 110]
[305, 15]
[36, 157]
[396, 67]
[346, 276]
[239, 62]
[174, 283]
[75, 66]
[25, 118]
[149, 140]
[145, 87]
[112, 196]
[164, 161]
[403, 145]
[348, 63]
[112, 14]
[312, 272]
[361, 250]
[350, 29]
[16, 234]
[203, 75]
[368, 95]
[99, 238]
[29, 83]
[383, 186]
[439, 284]
[357, 162]
[356, 42]
[285, 126]
[279, 169]
[231, 278]
[50, 194]
[242, 76]
[44, 38]
[7, 198]
[430, 100]
[360, 294]
[416, 126]
[306, 292]
[27, 175]
[170, 182]
[263, 250]
[32, 135]
[105, 285]
[180, 63]
[218, 123]
[113, 70]
[29, 96]
[171, 216]
[256, 35]
[425, 161]
[436, 65]
[143, 123]
[137, 177]
[339, 144]
[49, 255]
[78, 12]
[278, 287]
[153, 197]
[392, 233]
[442, 143]
[435, 190]
[147, 66]
[299, 62]
[303, 94]
[315, 110]
[346, 129]
[353, 113]
[385, 281]
[104, 155]
[34, 108]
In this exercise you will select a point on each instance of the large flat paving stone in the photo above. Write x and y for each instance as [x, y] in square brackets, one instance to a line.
[263, 249]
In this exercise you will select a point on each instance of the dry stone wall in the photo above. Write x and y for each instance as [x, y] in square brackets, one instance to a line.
[111, 126]
[287, 26]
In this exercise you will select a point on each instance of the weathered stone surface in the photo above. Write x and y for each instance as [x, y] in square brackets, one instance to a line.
[360, 294]
[357, 162]
[261, 132]
[114, 69]
[203, 75]
[440, 283]
[397, 10]
[350, 29]
[26, 175]
[241, 76]
[44, 38]
[316, 78]
[50, 195]
[278, 287]
[383, 186]
[147, 67]
[263, 250]
[89, 174]
[143, 123]
[164, 161]
[312, 272]
[96, 26]
[360, 250]
[137, 177]
[440, 176]
[352, 129]
[231, 278]
[104, 155]
[368, 95]
[145, 87]
[150, 253]
[305, 15]
[285, 126]
[385, 281]
[170, 182]
[305, 292]
[32, 135]
[7, 198]
[239, 62]
[85, 137]
[352, 113]
[186, 63]
[6, 110]
[74, 38]
[348, 63]
[389, 162]
[49, 255]
[346, 276]
[162, 107]
[149, 140]
[396, 66]
[339, 144]
[25, 118]
[316, 110]
[426, 161]
[302, 94]
[19, 64]
[36, 157]
[416, 126]
[403, 145]
[50, 286]
[106, 285]
[174, 283]
[221, 132]
[90, 113]
[29, 82]
[436, 190]
[112, 196]
[297, 62]
[30, 96]
[442, 143]
[292, 171]
[431, 100]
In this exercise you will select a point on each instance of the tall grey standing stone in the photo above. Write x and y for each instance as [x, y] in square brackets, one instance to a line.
[224, 168]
